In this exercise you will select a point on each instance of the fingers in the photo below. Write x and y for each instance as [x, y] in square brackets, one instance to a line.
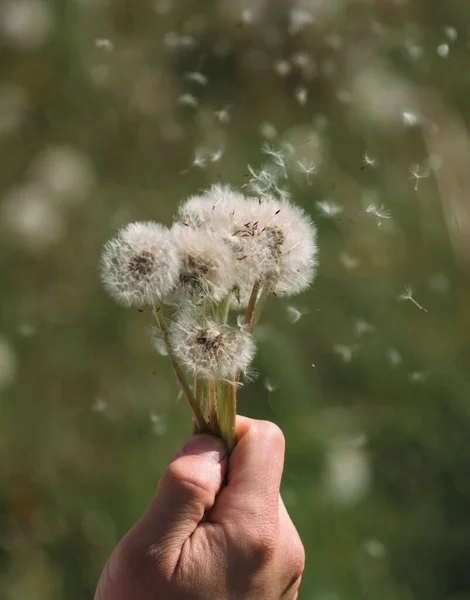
[254, 475]
[185, 492]
[292, 559]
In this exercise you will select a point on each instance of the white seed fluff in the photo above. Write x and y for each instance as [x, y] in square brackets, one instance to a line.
[206, 265]
[207, 349]
[141, 265]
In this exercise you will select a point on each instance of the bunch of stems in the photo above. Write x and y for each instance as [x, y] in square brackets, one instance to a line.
[214, 402]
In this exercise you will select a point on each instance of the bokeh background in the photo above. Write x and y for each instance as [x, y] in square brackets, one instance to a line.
[116, 110]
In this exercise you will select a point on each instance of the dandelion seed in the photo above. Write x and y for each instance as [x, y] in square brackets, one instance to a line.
[158, 344]
[282, 67]
[293, 314]
[217, 155]
[411, 118]
[443, 50]
[375, 548]
[361, 327]
[223, 115]
[158, 424]
[308, 167]
[270, 385]
[104, 44]
[207, 349]
[201, 156]
[349, 262]
[418, 172]
[394, 357]
[418, 376]
[99, 405]
[348, 474]
[301, 95]
[451, 33]
[368, 161]
[268, 130]
[141, 265]
[298, 20]
[378, 212]
[346, 352]
[407, 294]
[197, 77]
[188, 100]
[329, 208]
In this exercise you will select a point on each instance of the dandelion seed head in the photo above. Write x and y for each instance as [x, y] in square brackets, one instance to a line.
[206, 271]
[207, 349]
[141, 265]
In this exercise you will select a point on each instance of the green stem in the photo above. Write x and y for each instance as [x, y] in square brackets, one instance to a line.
[224, 309]
[197, 412]
[227, 402]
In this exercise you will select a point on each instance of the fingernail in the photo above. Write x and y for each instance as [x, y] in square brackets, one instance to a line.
[206, 446]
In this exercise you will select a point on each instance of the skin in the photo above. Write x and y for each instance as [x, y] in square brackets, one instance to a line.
[216, 528]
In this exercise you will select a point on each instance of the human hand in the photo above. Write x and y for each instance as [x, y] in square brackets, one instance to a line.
[200, 539]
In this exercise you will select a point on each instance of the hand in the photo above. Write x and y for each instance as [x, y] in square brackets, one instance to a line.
[202, 540]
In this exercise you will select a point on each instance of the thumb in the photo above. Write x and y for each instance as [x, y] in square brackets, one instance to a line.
[187, 489]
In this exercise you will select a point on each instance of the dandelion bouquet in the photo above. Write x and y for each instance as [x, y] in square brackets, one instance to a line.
[206, 280]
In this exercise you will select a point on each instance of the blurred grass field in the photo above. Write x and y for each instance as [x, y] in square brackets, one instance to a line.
[114, 111]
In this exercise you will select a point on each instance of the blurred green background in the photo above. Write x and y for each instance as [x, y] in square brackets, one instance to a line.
[116, 110]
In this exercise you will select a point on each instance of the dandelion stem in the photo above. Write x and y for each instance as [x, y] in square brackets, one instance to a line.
[224, 308]
[212, 409]
[227, 403]
[251, 304]
[197, 412]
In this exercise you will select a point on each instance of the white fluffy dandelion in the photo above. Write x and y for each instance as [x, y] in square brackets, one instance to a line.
[206, 265]
[141, 265]
[207, 349]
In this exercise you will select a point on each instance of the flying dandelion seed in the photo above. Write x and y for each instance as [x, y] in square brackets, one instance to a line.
[158, 424]
[308, 167]
[345, 352]
[375, 548]
[104, 44]
[394, 357]
[378, 212]
[410, 119]
[99, 405]
[329, 208]
[407, 294]
[223, 115]
[443, 50]
[301, 95]
[197, 77]
[293, 314]
[368, 161]
[270, 385]
[350, 263]
[451, 33]
[188, 100]
[282, 67]
[418, 172]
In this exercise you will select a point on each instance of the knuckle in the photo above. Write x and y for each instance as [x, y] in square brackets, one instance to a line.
[272, 432]
[189, 482]
[261, 545]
